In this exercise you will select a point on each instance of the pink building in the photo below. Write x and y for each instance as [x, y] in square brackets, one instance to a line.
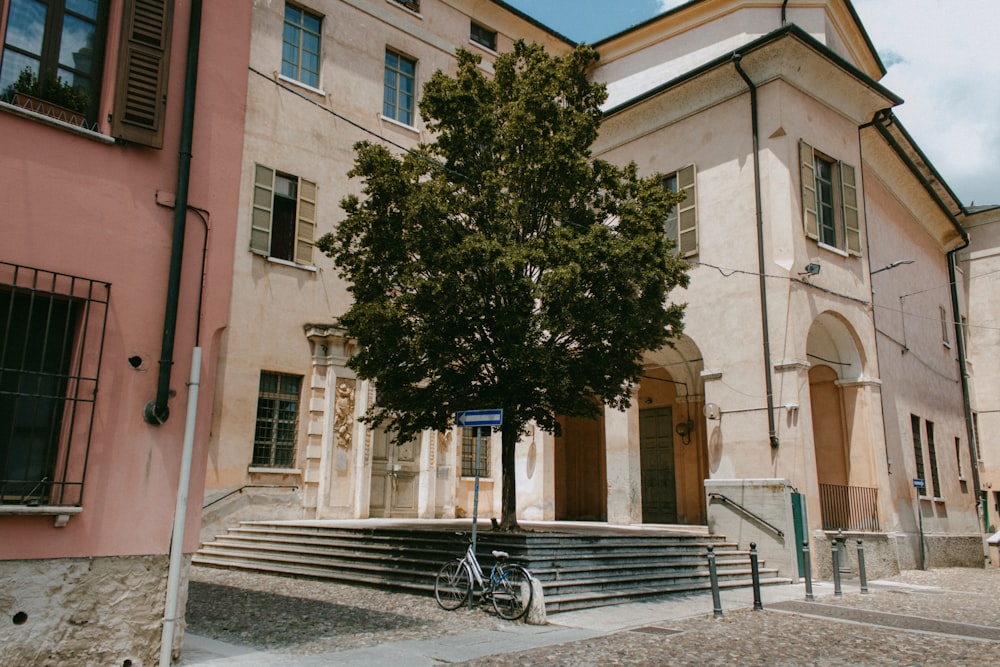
[103, 299]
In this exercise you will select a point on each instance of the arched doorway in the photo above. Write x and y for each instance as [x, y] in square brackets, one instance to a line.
[844, 467]
[673, 452]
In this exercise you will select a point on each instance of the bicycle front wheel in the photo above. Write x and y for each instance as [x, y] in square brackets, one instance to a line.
[452, 586]
[512, 592]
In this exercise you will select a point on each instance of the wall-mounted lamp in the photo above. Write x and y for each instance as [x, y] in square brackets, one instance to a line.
[712, 411]
[892, 265]
[812, 269]
[684, 430]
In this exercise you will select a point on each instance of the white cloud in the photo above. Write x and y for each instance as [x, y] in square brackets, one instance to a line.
[943, 59]
[665, 5]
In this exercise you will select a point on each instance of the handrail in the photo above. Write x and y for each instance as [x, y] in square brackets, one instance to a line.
[250, 486]
[750, 514]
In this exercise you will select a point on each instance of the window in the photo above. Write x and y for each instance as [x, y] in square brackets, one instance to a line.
[300, 46]
[681, 225]
[277, 419]
[51, 336]
[829, 201]
[412, 5]
[54, 50]
[469, 452]
[932, 453]
[399, 87]
[943, 315]
[918, 451]
[483, 36]
[283, 222]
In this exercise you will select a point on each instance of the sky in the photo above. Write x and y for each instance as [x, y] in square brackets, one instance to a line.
[942, 57]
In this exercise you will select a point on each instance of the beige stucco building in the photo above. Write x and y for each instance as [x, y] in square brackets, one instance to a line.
[794, 392]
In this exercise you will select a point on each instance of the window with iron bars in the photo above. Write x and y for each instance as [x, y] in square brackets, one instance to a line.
[469, 452]
[51, 340]
[277, 420]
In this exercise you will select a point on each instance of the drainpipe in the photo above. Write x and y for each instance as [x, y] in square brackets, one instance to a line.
[963, 369]
[783, 5]
[772, 432]
[156, 411]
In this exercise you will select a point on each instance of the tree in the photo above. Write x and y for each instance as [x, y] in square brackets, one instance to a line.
[499, 266]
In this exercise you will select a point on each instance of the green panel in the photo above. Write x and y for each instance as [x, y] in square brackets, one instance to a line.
[801, 528]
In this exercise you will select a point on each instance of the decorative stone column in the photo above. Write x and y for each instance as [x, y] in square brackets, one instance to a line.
[329, 476]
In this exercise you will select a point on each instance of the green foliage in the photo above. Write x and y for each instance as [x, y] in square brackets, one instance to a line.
[52, 89]
[500, 266]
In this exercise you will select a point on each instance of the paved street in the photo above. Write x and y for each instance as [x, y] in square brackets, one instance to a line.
[939, 617]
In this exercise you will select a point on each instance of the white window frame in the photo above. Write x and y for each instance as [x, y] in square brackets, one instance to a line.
[681, 224]
[843, 204]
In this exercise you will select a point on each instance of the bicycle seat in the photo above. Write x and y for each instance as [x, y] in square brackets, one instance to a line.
[500, 554]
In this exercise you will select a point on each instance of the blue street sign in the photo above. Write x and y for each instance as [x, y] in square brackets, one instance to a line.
[919, 484]
[479, 418]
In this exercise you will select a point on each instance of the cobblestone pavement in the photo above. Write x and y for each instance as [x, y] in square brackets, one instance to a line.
[301, 617]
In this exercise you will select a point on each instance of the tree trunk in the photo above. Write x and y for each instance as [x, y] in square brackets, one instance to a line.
[508, 489]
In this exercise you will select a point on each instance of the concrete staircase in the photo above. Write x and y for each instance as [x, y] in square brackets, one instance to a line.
[577, 570]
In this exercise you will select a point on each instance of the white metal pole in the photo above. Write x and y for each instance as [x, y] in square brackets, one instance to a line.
[180, 515]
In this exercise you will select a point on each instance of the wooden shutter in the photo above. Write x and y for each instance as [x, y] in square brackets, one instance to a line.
[263, 203]
[305, 228]
[849, 204]
[143, 61]
[687, 219]
[810, 217]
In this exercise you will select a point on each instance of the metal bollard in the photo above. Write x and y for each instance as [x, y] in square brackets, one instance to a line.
[713, 576]
[807, 566]
[755, 577]
[835, 553]
[861, 567]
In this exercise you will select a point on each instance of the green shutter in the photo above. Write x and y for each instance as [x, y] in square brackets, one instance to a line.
[810, 217]
[305, 230]
[849, 199]
[687, 218]
[139, 113]
[263, 203]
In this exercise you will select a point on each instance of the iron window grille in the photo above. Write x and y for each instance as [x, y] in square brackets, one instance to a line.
[52, 329]
[469, 452]
[277, 420]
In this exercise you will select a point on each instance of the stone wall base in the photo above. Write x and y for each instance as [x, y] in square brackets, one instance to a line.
[85, 611]
[886, 554]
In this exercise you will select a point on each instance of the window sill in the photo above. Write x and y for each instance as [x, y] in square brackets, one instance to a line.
[298, 84]
[835, 250]
[406, 9]
[285, 262]
[397, 123]
[55, 122]
[483, 47]
[472, 478]
[61, 513]
[258, 470]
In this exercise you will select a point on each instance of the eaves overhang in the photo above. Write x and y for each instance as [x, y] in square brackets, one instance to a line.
[535, 22]
[946, 226]
[885, 97]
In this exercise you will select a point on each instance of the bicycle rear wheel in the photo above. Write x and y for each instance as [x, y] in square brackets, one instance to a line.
[512, 592]
[452, 585]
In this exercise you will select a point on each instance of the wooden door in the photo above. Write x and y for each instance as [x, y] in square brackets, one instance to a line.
[656, 456]
[395, 477]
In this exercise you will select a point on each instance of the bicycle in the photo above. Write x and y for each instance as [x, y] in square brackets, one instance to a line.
[508, 587]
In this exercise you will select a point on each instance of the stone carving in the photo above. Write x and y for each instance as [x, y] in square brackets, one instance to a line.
[343, 413]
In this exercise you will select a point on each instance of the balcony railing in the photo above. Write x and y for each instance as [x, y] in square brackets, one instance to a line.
[849, 508]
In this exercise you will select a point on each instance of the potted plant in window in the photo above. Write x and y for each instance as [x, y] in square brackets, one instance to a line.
[50, 96]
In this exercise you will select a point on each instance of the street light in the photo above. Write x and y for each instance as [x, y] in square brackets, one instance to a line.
[892, 265]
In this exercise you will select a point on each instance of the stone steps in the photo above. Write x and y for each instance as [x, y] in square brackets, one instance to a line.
[576, 571]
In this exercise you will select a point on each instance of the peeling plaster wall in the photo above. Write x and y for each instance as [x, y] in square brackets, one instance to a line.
[83, 611]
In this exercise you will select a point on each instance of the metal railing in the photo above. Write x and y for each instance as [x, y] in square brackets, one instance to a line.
[852, 508]
[756, 517]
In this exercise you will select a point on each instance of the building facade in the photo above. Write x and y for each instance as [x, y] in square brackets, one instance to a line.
[801, 188]
[93, 99]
